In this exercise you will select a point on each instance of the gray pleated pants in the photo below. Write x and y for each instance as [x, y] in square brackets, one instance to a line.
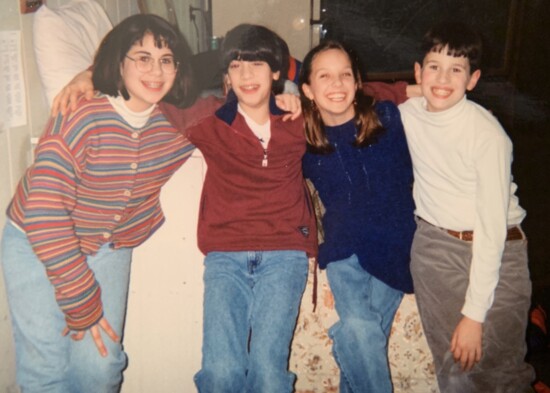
[440, 266]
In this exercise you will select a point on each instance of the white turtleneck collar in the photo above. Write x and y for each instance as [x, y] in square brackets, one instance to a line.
[135, 119]
[445, 116]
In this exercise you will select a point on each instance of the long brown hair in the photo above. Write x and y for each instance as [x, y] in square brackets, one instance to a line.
[366, 119]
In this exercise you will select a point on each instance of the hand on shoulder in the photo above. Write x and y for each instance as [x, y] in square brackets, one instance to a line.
[289, 103]
[80, 86]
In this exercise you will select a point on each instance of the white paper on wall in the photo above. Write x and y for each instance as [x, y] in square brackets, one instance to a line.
[13, 102]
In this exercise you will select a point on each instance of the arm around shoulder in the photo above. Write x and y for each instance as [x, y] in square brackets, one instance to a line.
[395, 92]
[67, 98]
[184, 118]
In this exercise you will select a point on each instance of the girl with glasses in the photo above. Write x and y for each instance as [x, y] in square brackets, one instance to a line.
[89, 198]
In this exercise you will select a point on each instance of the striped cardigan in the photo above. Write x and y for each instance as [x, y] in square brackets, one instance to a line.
[95, 180]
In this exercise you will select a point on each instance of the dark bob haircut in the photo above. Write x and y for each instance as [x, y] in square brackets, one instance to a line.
[459, 40]
[116, 44]
[255, 43]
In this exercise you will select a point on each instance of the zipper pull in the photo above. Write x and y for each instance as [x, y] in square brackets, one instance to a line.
[264, 161]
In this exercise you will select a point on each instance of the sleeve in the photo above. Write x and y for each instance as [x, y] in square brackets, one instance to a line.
[51, 196]
[183, 119]
[395, 92]
[493, 160]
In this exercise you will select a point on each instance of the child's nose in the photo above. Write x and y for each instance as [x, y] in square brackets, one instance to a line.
[443, 76]
[246, 70]
[157, 68]
[337, 81]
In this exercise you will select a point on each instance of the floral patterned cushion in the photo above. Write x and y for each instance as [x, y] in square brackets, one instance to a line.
[311, 357]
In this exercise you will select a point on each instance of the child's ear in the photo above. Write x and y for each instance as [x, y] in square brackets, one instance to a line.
[276, 75]
[473, 80]
[307, 91]
[226, 84]
[417, 72]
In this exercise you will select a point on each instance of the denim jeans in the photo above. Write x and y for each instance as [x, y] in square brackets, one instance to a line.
[251, 303]
[46, 361]
[366, 307]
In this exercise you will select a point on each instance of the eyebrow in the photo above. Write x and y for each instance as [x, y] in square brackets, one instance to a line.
[145, 52]
[453, 64]
[347, 68]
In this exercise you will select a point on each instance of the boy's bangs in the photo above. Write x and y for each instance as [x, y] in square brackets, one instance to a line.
[257, 55]
[448, 50]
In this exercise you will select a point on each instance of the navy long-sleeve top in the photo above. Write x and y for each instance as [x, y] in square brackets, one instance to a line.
[367, 194]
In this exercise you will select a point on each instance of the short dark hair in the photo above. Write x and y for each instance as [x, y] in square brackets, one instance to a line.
[255, 43]
[459, 39]
[112, 51]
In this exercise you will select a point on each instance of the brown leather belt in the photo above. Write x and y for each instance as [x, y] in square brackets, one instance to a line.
[514, 233]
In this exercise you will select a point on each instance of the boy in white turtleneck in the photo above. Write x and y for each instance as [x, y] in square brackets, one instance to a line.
[469, 255]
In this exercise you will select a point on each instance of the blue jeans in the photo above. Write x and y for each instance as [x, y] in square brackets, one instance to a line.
[251, 303]
[366, 307]
[46, 361]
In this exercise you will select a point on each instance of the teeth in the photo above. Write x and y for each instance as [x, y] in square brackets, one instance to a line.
[153, 85]
[336, 97]
[442, 92]
[249, 87]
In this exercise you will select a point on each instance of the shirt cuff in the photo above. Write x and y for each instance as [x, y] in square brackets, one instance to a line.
[476, 313]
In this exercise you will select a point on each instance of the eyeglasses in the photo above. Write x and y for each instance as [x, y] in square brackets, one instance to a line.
[145, 64]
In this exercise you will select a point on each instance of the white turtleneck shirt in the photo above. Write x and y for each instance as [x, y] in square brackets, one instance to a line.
[462, 181]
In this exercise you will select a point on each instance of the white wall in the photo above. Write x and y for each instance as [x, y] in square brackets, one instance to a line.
[14, 157]
[163, 332]
[288, 18]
